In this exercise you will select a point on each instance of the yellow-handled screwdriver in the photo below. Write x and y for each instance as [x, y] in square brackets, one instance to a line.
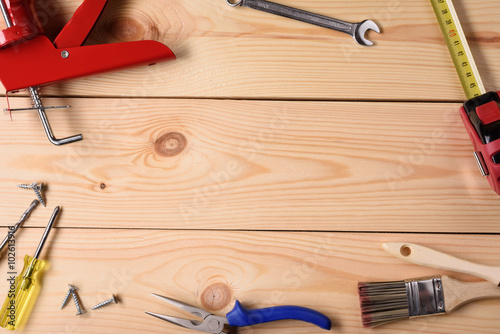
[25, 288]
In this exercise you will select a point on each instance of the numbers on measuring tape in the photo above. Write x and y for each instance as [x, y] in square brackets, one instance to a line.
[458, 47]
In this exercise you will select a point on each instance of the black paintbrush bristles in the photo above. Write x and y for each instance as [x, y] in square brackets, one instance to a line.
[383, 302]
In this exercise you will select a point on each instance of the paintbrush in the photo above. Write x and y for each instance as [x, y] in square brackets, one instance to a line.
[384, 302]
[431, 258]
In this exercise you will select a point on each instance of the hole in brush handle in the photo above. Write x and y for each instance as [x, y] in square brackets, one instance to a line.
[405, 250]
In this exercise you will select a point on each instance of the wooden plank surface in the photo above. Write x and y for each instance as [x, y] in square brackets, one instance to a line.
[226, 52]
[260, 269]
[253, 165]
[266, 164]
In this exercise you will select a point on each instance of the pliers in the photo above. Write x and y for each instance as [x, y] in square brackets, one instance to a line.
[240, 316]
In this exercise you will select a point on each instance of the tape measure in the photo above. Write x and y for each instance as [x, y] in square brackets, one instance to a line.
[481, 112]
[459, 48]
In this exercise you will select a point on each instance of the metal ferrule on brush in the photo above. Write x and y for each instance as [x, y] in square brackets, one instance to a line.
[425, 296]
[383, 302]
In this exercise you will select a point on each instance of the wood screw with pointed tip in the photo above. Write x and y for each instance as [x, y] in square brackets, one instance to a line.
[37, 188]
[66, 298]
[79, 309]
[113, 300]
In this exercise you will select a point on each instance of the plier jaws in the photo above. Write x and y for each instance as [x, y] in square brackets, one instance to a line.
[240, 316]
[210, 323]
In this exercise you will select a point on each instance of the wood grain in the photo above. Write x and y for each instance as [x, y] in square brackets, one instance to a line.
[261, 269]
[251, 165]
[262, 165]
[226, 52]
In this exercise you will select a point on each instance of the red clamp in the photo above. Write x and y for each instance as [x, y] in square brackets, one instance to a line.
[28, 59]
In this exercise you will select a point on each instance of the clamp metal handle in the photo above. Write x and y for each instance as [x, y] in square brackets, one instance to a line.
[37, 104]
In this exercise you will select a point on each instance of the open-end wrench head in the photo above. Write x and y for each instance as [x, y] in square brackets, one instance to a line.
[360, 31]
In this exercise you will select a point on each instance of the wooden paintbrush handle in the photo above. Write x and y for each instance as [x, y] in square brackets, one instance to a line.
[430, 258]
[457, 293]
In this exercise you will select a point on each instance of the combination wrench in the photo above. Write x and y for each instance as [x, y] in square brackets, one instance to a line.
[356, 30]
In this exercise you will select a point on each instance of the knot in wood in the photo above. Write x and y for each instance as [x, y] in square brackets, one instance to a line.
[126, 29]
[170, 144]
[216, 296]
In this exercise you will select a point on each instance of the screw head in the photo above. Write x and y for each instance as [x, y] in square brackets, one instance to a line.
[65, 54]
[72, 287]
[115, 300]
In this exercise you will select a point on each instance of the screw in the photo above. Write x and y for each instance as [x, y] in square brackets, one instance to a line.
[38, 191]
[107, 302]
[66, 298]
[37, 188]
[77, 303]
[27, 186]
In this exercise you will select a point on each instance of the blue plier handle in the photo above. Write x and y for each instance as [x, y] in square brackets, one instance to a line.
[240, 316]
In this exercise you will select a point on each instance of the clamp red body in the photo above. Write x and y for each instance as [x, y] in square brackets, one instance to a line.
[23, 22]
[481, 117]
[28, 58]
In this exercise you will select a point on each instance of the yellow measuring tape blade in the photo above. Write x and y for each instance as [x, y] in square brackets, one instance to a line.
[458, 47]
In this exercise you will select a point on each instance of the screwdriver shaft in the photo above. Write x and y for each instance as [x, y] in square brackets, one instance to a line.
[47, 231]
